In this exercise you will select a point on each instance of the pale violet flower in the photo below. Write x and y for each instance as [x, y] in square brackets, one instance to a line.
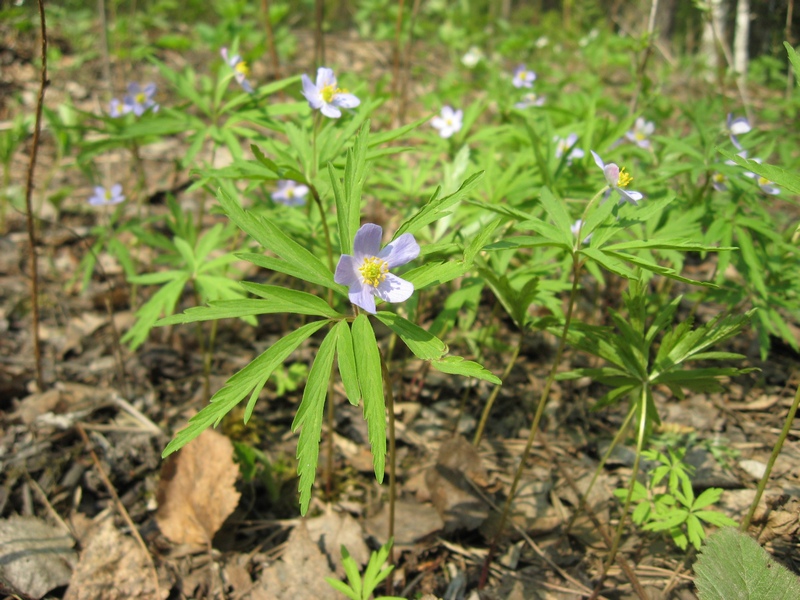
[104, 197]
[530, 99]
[640, 133]
[765, 184]
[472, 57]
[290, 193]
[366, 272]
[719, 181]
[737, 126]
[326, 96]
[139, 99]
[541, 42]
[117, 108]
[563, 146]
[449, 122]
[241, 71]
[523, 78]
[618, 179]
[576, 229]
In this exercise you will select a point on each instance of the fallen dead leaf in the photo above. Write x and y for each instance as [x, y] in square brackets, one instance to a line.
[300, 573]
[413, 522]
[197, 490]
[112, 567]
[34, 557]
[332, 530]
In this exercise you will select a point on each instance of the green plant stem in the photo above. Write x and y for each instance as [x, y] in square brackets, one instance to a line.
[392, 466]
[773, 457]
[562, 342]
[487, 409]
[612, 554]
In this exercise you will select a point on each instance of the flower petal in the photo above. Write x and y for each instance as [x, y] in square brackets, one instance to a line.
[346, 271]
[329, 110]
[325, 77]
[611, 172]
[598, 161]
[116, 190]
[363, 296]
[149, 90]
[404, 249]
[367, 241]
[311, 92]
[630, 196]
[394, 289]
[346, 100]
[437, 122]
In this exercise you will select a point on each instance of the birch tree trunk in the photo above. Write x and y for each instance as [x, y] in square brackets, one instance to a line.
[714, 34]
[741, 38]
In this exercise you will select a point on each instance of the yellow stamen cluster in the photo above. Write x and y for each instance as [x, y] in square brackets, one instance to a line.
[763, 181]
[624, 178]
[241, 67]
[140, 98]
[718, 177]
[373, 270]
[329, 92]
[108, 195]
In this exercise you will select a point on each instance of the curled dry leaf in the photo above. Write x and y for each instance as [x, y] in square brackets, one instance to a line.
[197, 489]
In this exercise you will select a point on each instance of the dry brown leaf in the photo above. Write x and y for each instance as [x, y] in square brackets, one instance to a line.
[197, 489]
[333, 530]
[34, 557]
[112, 567]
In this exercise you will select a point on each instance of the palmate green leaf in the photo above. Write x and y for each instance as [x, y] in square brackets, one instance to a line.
[281, 172]
[272, 237]
[370, 378]
[508, 296]
[456, 365]
[609, 262]
[309, 417]
[423, 344]
[436, 273]
[281, 266]
[347, 362]
[681, 245]
[437, 207]
[303, 302]
[557, 210]
[755, 269]
[250, 379]
[163, 301]
[732, 566]
[795, 59]
[786, 179]
[229, 309]
[656, 268]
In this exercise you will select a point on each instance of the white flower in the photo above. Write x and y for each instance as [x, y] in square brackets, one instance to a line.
[617, 179]
[472, 57]
[523, 78]
[449, 122]
[563, 145]
[326, 96]
[290, 193]
[640, 133]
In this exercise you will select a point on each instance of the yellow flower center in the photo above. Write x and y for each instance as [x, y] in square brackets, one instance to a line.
[639, 136]
[140, 98]
[373, 270]
[328, 92]
[108, 195]
[718, 177]
[241, 67]
[763, 181]
[624, 178]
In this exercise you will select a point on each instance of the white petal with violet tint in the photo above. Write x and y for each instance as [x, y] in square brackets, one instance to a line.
[394, 289]
[346, 100]
[150, 89]
[438, 122]
[311, 92]
[447, 112]
[329, 110]
[325, 77]
[598, 161]
[363, 297]
[630, 196]
[770, 189]
[404, 249]
[116, 189]
[367, 241]
[739, 126]
[347, 271]
[611, 173]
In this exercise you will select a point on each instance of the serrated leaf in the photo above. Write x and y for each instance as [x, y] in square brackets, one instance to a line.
[610, 263]
[782, 177]
[303, 302]
[163, 301]
[347, 362]
[456, 365]
[309, 416]
[422, 343]
[795, 59]
[436, 273]
[732, 566]
[250, 379]
[281, 266]
[370, 378]
[557, 210]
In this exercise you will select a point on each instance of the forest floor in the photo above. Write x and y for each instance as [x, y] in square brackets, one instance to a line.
[82, 467]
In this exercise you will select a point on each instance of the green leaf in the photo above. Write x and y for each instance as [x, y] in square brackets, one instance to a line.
[250, 379]
[423, 344]
[347, 362]
[272, 237]
[733, 566]
[557, 210]
[370, 377]
[281, 266]
[793, 56]
[707, 498]
[163, 301]
[309, 417]
[437, 207]
[456, 365]
[609, 262]
[436, 273]
[298, 302]
[782, 177]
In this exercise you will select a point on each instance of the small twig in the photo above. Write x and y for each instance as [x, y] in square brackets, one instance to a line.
[137, 414]
[387, 380]
[50, 510]
[120, 506]
[37, 348]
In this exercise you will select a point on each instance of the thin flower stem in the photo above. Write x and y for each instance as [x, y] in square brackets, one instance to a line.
[37, 348]
[773, 457]
[326, 230]
[612, 553]
[273, 53]
[487, 409]
[392, 466]
[536, 420]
